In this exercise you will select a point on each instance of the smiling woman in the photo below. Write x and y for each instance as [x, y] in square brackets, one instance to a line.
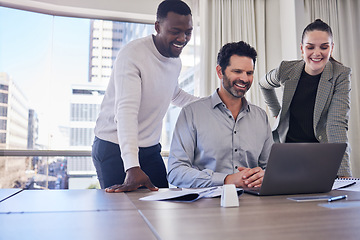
[317, 46]
[316, 101]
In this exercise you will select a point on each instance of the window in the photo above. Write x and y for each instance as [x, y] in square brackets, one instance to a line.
[58, 71]
[84, 112]
[2, 137]
[3, 111]
[55, 56]
[3, 98]
[3, 124]
[4, 87]
[81, 136]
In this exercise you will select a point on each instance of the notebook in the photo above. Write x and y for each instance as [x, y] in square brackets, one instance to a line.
[348, 184]
[297, 168]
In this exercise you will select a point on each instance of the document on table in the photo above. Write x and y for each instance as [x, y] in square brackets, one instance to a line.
[348, 184]
[187, 194]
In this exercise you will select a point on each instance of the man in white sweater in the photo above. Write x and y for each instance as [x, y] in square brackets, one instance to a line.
[144, 80]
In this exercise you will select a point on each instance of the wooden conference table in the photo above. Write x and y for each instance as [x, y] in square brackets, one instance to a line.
[94, 214]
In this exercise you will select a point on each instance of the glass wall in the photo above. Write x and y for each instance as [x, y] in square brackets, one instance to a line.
[53, 75]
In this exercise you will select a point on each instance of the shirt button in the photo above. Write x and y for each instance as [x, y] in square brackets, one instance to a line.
[235, 132]
[235, 150]
[229, 116]
[320, 137]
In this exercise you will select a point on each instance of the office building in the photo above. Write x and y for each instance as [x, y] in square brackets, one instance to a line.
[33, 129]
[106, 39]
[85, 107]
[13, 131]
[13, 115]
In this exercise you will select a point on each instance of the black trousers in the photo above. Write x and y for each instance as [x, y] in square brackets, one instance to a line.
[110, 168]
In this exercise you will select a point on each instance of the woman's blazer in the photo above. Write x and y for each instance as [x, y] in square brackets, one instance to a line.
[332, 104]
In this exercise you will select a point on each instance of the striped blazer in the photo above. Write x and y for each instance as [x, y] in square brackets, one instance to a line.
[332, 104]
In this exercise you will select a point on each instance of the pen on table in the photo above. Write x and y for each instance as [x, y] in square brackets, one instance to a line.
[337, 198]
[350, 184]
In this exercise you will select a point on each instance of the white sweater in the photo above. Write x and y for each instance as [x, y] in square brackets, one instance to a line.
[141, 87]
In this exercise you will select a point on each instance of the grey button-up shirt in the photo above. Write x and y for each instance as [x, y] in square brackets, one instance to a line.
[208, 143]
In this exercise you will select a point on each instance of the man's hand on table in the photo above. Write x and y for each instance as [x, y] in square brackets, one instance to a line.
[134, 179]
[253, 177]
[246, 177]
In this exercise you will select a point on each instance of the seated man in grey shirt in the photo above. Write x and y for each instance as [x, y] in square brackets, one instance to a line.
[222, 139]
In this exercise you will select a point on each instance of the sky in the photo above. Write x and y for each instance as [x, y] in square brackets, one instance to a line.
[44, 55]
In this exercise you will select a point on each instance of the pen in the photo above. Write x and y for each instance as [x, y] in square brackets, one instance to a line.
[350, 184]
[337, 198]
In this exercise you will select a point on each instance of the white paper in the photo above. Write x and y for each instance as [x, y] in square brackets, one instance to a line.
[186, 194]
[347, 184]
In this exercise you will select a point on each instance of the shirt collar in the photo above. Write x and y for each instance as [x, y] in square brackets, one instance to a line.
[216, 100]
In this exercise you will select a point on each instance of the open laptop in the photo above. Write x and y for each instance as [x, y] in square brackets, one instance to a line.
[297, 168]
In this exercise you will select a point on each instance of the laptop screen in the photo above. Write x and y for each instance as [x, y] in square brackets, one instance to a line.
[296, 168]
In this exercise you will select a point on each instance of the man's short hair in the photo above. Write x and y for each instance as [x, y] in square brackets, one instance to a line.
[241, 49]
[176, 6]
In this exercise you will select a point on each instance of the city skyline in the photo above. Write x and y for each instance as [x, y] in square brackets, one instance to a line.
[45, 55]
[62, 66]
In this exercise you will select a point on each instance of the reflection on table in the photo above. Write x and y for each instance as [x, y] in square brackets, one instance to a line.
[94, 214]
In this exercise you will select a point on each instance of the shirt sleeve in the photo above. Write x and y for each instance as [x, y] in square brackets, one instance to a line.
[338, 117]
[264, 156]
[127, 103]
[268, 83]
[181, 170]
[181, 98]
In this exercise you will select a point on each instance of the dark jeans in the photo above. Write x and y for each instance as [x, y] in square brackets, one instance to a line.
[110, 168]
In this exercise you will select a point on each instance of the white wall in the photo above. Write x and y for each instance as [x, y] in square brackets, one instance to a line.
[142, 11]
[121, 10]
